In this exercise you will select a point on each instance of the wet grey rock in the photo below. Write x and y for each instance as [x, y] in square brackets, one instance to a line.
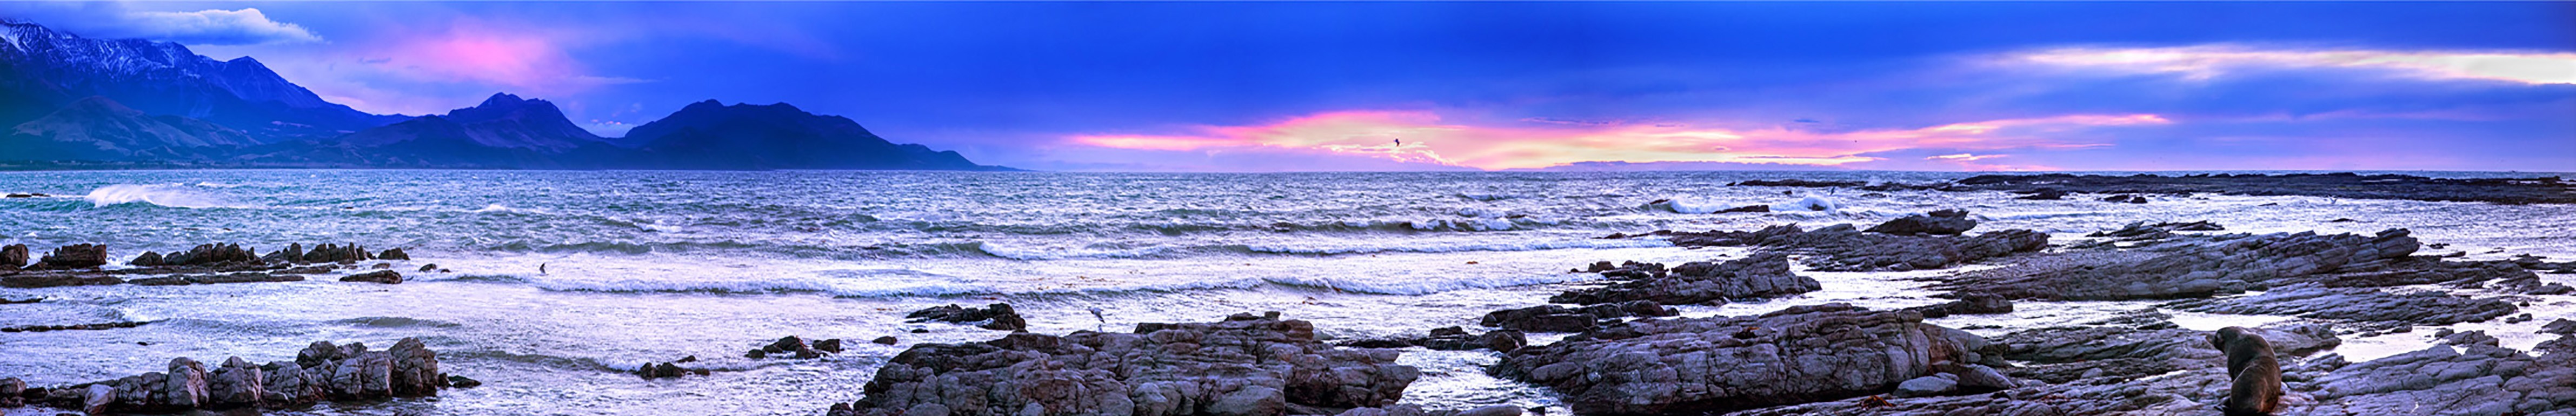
[1931, 385]
[394, 254]
[380, 276]
[2125, 198]
[2203, 266]
[76, 256]
[211, 254]
[998, 316]
[884, 340]
[1942, 222]
[791, 346]
[1760, 275]
[236, 383]
[328, 253]
[1553, 318]
[293, 253]
[2379, 309]
[10, 389]
[13, 256]
[1245, 365]
[1692, 365]
[58, 279]
[148, 259]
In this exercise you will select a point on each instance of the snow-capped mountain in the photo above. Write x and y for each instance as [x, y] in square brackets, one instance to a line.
[43, 68]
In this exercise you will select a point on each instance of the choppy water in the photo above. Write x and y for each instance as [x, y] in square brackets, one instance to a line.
[654, 266]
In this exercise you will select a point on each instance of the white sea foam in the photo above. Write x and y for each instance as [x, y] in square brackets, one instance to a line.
[1695, 206]
[1811, 203]
[496, 208]
[1425, 286]
[1018, 253]
[168, 195]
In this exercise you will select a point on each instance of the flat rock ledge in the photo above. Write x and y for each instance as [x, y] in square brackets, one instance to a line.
[1842, 247]
[2146, 366]
[320, 372]
[1797, 355]
[1247, 365]
[2203, 266]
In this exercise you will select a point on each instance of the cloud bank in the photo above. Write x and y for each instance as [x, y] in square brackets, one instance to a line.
[114, 20]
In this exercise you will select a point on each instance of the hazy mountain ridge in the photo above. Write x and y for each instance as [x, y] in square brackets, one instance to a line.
[70, 101]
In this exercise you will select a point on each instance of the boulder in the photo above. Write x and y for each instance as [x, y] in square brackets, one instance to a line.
[379, 276]
[76, 256]
[394, 254]
[237, 383]
[1942, 222]
[1760, 275]
[1245, 365]
[148, 259]
[1720, 364]
[211, 254]
[998, 316]
[13, 256]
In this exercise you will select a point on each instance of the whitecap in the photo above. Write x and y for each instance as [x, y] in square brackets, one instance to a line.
[168, 195]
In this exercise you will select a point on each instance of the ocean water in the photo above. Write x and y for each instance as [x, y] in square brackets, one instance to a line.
[655, 266]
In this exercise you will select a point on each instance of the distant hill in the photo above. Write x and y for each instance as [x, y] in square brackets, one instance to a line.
[72, 102]
[98, 128]
[711, 135]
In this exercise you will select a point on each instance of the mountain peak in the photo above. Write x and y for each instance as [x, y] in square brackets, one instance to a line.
[501, 99]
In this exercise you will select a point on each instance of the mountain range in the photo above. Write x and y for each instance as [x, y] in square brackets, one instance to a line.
[74, 102]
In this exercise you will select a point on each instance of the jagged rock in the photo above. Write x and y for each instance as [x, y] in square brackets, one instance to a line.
[211, 254]
[394, 254]
[1757, 276]
[379, 276]
[2476, 378]
[1942, 222]
[293, 253]
[792, 347]
[415, 369]
[236, 383]
[1693, 365]
[13, 256]
[998, 316]
[1552, 318]
[328, 253]
[1245, 365]
[76, 256]
[829, 345]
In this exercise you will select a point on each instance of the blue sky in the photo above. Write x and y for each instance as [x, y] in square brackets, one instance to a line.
[1331, 86]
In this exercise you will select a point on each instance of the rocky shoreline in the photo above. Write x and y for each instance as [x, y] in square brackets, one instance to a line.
[2130, 188]
[83, 265]
[1624, 347]
[321, 372]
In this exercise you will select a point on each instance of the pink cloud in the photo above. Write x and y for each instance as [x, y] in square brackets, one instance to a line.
[1424, 138]
[533, 61]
